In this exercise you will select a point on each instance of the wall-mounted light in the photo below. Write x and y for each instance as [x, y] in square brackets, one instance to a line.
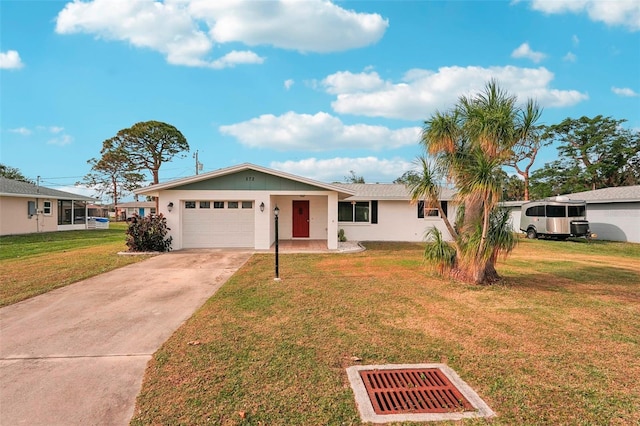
[261, 207]
[170, 206]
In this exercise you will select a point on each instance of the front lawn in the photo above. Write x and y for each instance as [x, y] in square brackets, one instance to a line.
[37, 263]
[557, 342]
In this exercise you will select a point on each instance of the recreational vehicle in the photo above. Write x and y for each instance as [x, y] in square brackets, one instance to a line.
[557, 217]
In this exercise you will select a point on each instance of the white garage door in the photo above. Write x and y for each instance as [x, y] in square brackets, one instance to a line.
[211, 224]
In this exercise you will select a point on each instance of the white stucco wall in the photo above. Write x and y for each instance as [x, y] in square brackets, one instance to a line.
[264, 221]
[317, 216]
[615, 221]
[397, 221]
[14, 218]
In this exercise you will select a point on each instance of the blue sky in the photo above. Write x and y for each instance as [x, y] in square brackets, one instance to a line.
[314, 88]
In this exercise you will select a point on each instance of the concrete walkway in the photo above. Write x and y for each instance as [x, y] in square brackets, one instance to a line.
[77, 355]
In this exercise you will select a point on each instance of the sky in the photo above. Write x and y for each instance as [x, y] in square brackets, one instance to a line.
[314, 88]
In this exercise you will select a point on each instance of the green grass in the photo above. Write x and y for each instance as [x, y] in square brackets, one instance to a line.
[544, 346]
[15, 246]
[34, 264]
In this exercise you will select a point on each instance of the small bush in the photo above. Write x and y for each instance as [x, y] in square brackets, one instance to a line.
[148, 234]
[341, 237]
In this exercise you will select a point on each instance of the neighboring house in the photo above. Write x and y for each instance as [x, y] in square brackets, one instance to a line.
[26, 208]
[234, 207]
[613, 213]
[133, 208]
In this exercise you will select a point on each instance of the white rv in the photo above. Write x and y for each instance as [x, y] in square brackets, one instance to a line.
[557, 217]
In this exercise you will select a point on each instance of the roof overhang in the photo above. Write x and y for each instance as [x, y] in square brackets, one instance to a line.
[154, 189]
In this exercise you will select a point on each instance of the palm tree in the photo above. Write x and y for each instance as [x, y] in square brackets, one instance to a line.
[471, 143]
[427, 188]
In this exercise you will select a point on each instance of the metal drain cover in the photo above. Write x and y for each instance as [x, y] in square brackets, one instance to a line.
[416, 392]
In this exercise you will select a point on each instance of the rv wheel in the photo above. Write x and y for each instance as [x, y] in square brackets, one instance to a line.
[532, 234]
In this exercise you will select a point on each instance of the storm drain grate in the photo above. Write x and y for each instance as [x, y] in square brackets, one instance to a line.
[412, 391]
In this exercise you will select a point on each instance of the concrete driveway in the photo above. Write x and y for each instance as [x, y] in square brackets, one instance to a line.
[77, 355]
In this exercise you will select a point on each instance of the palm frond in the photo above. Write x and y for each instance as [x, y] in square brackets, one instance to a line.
[438, 252]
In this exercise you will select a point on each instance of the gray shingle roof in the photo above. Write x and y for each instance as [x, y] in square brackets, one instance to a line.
[605, 195]
[384, 191]
[16, 188]
[137, 204]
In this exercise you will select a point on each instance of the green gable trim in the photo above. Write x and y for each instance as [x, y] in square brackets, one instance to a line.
[249, 180]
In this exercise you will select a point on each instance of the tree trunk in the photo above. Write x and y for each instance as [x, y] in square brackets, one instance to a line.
[472, 214]
[445, 219]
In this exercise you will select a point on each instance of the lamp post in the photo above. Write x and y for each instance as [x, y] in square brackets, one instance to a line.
[276, 212]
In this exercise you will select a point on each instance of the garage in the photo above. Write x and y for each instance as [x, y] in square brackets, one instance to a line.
[218, 224]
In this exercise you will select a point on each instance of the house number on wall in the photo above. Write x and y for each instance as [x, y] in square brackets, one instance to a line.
[250, 178]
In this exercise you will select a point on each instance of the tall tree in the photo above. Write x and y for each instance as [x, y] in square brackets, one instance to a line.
[14, 174]
[600, 148]
[513, 188]
[526, 149]
[353, 178]
[408, 178]
[148, 145]
[112, 174]
[426, 186]
[558, 177]
[471, 143]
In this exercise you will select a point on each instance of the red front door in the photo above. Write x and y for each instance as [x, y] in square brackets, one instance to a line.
[301, 219]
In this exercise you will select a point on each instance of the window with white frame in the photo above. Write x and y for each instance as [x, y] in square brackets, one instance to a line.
[353, 211]
[46, 208]
[430, 212]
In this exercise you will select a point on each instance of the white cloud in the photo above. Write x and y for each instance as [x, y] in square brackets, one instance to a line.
[78, 189]
[525, 51]
[347, 82]
[185, 31]
[575, 40]
[373, 169]
[56, 129]
[165, 27]
[235, 57]
[570, 57]
[61, 140]
[421, 92]
[624, 91]
[10, 60]
[288, 83]
[318, 132]
[21, 131]
[625, 13]
[306, 26]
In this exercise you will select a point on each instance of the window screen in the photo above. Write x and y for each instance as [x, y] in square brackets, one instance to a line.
[556, 211]
[575, 211]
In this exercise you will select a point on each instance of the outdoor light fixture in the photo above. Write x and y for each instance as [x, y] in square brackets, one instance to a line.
[261, 207]
[276, 212]
[170, 206]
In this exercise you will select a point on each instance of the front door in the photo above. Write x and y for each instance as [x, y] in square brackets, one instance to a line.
[301, 219]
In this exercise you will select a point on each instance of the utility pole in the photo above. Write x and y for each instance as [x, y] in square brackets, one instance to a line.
[198, 164]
